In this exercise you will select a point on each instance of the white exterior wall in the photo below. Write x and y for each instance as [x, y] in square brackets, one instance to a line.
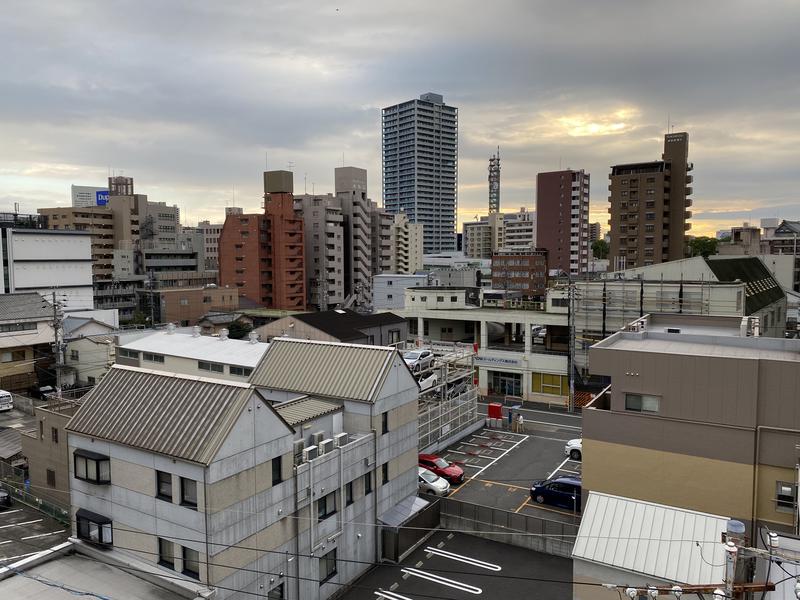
[182, 365]
[388, 289]
[94, 359]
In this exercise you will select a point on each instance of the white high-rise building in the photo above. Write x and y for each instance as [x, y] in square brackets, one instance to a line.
[420, 167]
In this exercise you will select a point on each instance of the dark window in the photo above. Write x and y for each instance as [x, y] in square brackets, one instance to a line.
[94, 528]
[453, 298]
[54, 434]
[348, 489]
[642, 403]
[166, 553]
[188, 492]
[191, 562]
[385, 473]
[440, 298]
[51, 478]
[367, 484]
[785, 496]
[125, 353]
[276, 593]
[209, 366]
[326, 506]
[150, 357]
[90, 466]
[327, 566]
[164, 486]
[385, 422]
[242, 371]
[277, 470]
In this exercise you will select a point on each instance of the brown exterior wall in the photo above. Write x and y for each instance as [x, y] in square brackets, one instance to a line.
[526, 273]
[99, 223]
[187, 306]
[554, 220]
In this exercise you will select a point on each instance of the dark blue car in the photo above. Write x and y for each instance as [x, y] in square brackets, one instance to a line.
[564, 492]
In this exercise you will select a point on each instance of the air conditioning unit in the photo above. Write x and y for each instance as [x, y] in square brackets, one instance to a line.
[341, 439]
[317, 437]
[299, 446]
[325, 446]
[310, 453]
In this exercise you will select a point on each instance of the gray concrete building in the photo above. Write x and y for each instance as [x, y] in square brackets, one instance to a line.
[420, 167]
[323, 226]
[351, 193]
[275, 487]
[388, 289]
[381, 223]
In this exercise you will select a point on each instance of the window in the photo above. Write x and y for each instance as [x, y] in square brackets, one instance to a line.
[327, 566]
[453, 298]
[348, 491]
[93, 467]
[184, 302]
[385, 423]
[367, 484]
[166, 553]
[11, 327]
[191, 562]
[54, 434]
[550, 383]
[326, 506]
[241, 371]
[394, 336]
[650, 216]
[150, 357]
[385, 473]
[73, 355]
[642, 403]
[51, 478]
[277, 470]
[440, 298]
[125, 353]
[276, 593]
[209, 366]
[649, 228]
[188, 492]
[93, 527]
[164, 486]
[785, 496]
[13, 356]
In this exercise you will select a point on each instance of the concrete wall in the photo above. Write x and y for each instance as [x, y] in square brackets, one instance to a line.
[48, 451]
[388, 292]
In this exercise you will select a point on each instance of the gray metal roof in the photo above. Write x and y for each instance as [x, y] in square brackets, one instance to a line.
[327, 369]
[10, 442]
[652, 539]
[305, 409]
[24, 306]
[176, 415]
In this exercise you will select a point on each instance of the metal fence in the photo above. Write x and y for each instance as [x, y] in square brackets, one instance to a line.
[527, 531]
[444, 418]
[12, 480]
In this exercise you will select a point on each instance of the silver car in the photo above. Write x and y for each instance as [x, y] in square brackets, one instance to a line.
[574, 449]
[418, 360]
[431, 483]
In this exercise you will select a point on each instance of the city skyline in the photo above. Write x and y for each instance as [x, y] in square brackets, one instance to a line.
[191, 128]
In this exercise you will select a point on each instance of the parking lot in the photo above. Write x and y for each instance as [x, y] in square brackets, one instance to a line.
[25, 531]
[451, 566]
[500, 465]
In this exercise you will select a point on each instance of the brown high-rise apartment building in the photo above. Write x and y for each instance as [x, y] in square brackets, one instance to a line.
[262, 255]
[562, 219]
[523, 271]
[649, 207]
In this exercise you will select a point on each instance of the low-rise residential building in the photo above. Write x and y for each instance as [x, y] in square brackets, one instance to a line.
[26, 337]
[275, 487]
[187, 306]
[388, 289]
[339, 325]
[696, 403]
[191, 354]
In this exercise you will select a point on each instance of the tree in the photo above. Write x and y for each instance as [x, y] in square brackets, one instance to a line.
[703, 246]
[600, 249]
[238, 330]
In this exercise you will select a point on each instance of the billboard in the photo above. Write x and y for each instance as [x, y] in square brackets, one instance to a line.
[101, 197]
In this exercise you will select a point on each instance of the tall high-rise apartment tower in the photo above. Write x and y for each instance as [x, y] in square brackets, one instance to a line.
[649, 205]
[562, 219]
[420, 167]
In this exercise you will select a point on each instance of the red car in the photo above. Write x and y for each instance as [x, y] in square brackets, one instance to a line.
[442, 468]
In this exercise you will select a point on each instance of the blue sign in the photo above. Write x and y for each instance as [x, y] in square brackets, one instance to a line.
[101, 196]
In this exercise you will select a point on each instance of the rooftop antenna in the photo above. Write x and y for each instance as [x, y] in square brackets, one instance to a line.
[305, 183]
[266, 160]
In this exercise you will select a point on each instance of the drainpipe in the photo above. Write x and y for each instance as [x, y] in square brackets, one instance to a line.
[296, 533]
[205, 518]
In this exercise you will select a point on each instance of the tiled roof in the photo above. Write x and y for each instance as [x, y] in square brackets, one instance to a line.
[24, 306]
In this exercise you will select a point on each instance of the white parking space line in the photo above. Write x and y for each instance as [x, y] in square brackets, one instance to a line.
[18, 556]
[30, 537]
[541, 437]
[23, 523]
[6, 542]
[390, 595]
[558, 468]
[524, 437]
[8, 512]
[464, 559]
[451, 583]
[557, 425]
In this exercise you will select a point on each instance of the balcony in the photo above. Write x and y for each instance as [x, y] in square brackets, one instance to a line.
[689, 190]
[689, 179]
[687, 214]
[688, 202]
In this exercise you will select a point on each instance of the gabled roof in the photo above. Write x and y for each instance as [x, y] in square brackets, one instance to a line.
[664, 542]
[762, 289]
[300, 410]
[72, 323]
[326, 369]
[346, 325]
[182, 416]
[789, 227]
[27, 306]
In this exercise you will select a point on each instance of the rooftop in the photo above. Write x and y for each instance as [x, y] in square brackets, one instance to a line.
[654, 540]
[203, 347]
[24, 306]
[346, 325]
[300, 410]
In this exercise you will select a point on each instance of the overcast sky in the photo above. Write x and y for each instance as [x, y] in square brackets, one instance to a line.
[191, 97]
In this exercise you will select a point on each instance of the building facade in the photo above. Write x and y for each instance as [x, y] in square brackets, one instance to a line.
[523, 271]
[26, 336]
[649, 204]
[84, 196]
[562, 220]
[406, 245]
[420, 167]
[323, 230]
[388, 289]
[351, 194]
[210, 232]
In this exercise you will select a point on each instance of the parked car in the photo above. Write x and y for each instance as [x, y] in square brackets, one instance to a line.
[559, 491]
[431, 483]
[418, 360]
[6, 400]
[574, 449]
[5, 499]
[452, 473]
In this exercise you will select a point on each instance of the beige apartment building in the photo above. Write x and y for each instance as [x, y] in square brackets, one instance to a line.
[407, 244]
[649, 204]
[701, 414]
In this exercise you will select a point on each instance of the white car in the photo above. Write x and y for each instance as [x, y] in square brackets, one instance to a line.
[418, 360]
[574, 449]
[431, 483]
[6, 400]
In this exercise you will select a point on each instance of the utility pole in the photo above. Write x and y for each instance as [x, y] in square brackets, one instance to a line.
[58, 344]
[571, 349]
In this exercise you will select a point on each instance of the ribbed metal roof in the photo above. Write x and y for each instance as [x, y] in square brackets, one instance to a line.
[176, 415]
[328, 369]
[305, 409]
[652, 539]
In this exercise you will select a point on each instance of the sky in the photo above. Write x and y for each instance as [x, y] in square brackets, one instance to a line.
[194, 99]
